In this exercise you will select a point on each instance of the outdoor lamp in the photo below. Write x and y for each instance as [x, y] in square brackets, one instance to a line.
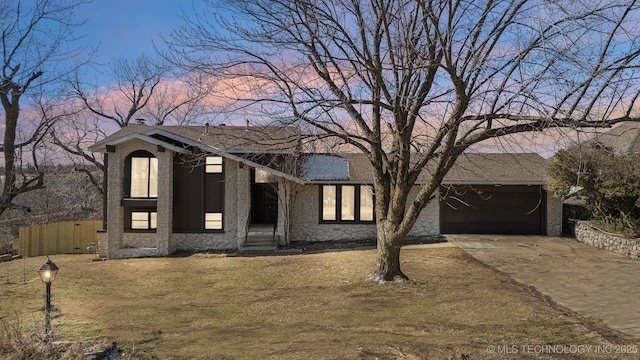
[48, 272]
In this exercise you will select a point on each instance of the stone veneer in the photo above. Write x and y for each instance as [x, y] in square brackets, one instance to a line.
[116, 243]
[121, 244]
[554, 215]
[203, 241]
[620, 245]
[138, 240]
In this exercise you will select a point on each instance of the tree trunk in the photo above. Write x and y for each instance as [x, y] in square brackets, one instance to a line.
[12, 113]
[388, 266]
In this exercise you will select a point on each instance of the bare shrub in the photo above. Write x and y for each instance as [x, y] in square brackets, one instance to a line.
[20, 342]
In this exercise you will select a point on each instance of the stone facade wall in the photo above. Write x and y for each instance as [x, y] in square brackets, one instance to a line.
[165, 201]
[102, 243]
[617, 244]
[554, 215]
[123, 245]
[117, 243]
[428, 223]
[307, 226]
[138, 240]
[238, 194]
[306, 221]
[203, 241]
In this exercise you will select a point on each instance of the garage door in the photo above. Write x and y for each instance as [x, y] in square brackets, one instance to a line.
[517, 210]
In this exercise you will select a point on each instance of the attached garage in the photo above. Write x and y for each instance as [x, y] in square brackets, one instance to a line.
[498, 194]
[490, 209]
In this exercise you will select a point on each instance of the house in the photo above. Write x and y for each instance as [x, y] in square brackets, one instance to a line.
[623, 138]
[197, 188]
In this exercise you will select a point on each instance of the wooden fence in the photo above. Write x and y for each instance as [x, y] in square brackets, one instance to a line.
[66, 237]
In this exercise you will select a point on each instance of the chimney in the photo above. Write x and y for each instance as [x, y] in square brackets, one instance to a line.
[206, 128]
[247, 128]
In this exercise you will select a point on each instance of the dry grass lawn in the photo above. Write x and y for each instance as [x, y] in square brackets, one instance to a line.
[296, 307]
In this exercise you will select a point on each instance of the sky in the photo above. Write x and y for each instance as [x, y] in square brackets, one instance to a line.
[129, 28]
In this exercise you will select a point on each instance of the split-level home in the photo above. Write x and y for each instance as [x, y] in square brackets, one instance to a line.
[200, 188]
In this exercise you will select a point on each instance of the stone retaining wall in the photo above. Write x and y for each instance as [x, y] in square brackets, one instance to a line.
[617, 244]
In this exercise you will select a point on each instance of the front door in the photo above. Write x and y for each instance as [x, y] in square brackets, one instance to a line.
[264, 199]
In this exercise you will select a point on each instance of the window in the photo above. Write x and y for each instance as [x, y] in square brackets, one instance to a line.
[262, 177]
[213, 221]
[213, 165]
[140, 186]
[366, 203]
[143, 171]
[144, 220]
[329, 202]
[346, 203]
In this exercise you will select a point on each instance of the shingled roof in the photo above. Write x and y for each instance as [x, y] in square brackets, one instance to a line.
[480, 168]
[624, 138]
[476, 168]
[233, 139]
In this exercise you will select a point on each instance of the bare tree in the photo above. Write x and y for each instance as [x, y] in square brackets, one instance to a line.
[35, 39]
[131, 89]
[411, 83]
[144, 88]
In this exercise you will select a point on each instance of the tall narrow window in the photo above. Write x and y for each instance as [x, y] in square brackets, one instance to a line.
[348, 203]
[366, 203]
[144, 177]
[329, 202]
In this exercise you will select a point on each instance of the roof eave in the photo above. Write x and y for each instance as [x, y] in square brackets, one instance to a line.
[490, 182]
[102, 147]
[226, 154]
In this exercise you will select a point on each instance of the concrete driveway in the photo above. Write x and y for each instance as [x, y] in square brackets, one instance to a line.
[590, 281]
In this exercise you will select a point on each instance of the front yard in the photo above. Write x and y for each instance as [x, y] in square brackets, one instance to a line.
[297, 307]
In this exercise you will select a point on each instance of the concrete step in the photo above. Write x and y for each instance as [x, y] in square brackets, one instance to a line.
[260, 243]
[261, 227]
[257, 249]
[260, 235]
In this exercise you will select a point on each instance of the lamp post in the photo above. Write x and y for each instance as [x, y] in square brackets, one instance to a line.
[48, 272]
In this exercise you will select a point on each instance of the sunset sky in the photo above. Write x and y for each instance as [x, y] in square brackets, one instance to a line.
[129, 28]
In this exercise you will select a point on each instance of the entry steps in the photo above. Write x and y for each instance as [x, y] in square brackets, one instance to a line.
[260, 238]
